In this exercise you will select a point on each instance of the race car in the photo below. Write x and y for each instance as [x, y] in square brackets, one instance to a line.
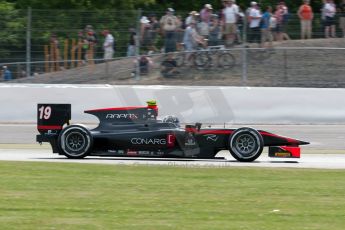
[137, 132]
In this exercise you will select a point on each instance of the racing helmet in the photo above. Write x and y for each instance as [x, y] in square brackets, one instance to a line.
[171, 119]
[151, 103]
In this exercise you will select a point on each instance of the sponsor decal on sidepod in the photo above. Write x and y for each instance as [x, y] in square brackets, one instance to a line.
[148, 141]
[121, 116]
[211, 137]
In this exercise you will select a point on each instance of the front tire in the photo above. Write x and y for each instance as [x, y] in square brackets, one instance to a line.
[75, 142]
[246, 144]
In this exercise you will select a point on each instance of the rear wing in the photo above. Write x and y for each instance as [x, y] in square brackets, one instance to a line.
[52, 117]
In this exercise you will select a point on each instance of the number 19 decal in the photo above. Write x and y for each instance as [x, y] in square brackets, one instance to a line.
[45, 112]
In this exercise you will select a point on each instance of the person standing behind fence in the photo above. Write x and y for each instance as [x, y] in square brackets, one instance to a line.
[206, 13]
[131, 49]
[92, 40]
[7, 74]
[153, 30]
[84, 46]
[286, 16]
[254, 23]
[108, 45]
[169, 24]
[229, 20]
[191, 38]
[266, 34]
[342, 17]
[330, 11]
[193, 15]
[213, 39]
[279, 19]
[145, 39]
[306, 15]
[91, 35]
[273, 26]
[205, 17]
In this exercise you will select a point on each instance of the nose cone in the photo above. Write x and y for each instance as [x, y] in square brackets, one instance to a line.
[303, 142]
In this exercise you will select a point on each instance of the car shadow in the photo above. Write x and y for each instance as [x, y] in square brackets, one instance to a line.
[90, 158]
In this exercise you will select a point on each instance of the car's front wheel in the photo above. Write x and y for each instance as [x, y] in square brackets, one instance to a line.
[246, 144]
[75, 142]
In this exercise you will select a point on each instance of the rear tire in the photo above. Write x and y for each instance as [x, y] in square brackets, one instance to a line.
[246, 144]
[75, 142]
[226, 61]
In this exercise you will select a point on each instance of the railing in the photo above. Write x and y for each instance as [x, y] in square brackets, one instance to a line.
[280, 66]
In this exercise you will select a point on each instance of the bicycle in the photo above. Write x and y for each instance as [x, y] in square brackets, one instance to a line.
[215, 56]
[186, 58]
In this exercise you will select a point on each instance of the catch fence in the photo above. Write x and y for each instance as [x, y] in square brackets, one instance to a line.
[35, 42]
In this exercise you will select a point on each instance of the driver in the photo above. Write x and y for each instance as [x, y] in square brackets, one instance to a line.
[152, 107]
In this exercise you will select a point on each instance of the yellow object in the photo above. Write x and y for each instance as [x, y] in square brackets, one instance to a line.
[151, 103]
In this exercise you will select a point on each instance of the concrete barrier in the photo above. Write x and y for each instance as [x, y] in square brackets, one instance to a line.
[237, 105]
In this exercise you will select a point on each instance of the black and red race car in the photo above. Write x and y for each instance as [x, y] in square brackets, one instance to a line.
[136, 131]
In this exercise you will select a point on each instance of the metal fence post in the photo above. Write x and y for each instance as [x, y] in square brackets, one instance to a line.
[285, 65]
[244, 53]
[28, 43]
[137, 51]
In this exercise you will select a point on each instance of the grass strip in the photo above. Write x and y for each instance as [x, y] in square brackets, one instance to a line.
[83, 196]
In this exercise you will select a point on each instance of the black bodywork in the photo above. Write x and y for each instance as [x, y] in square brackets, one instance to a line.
[136, 131]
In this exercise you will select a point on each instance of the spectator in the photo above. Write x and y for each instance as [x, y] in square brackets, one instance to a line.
[179, 33]
[153, 30]
[213, 39]
[249, 9]
[229, 20]
[144, 65]
[330, 11]
[169, 24]
[169, 67]
[131, 50]
[342, 17]
[91, 35]
[305, 14]
[108, 45]
[279, 18]
[266, 34]
[205, 17]
[285, 20]
[239, 25]
[92, 40]
[7, 74]
[203, 29]
[205, 13]
[191, 38]
[145, 32]
[273, 26]
[323, 17]
[254, 23]
[193, 16]
[84, 46]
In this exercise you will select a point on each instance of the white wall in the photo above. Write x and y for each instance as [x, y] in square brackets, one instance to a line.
[190, 104]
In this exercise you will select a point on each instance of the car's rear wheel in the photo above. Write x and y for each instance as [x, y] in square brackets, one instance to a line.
[75, 142]
[246, 144]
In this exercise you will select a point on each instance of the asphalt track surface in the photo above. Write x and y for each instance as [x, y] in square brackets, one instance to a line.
[326, 151]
